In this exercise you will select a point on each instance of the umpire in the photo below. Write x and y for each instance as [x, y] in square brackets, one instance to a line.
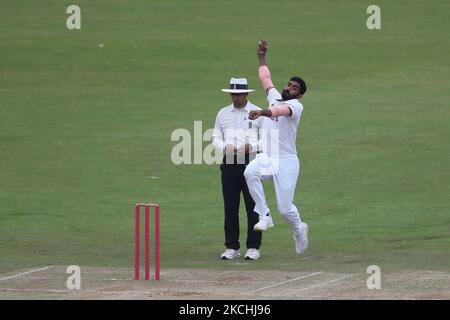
[236, 135]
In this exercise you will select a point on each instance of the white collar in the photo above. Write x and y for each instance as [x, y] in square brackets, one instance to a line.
[246, 108]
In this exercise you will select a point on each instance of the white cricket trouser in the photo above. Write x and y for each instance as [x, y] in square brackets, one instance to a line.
[284, 171]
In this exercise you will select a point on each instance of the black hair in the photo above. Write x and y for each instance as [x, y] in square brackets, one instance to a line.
[301, 82]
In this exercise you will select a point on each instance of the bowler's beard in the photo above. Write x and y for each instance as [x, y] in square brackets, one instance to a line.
[285, 95]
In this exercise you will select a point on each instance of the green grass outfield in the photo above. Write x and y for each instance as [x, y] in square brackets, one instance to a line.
[84, 129]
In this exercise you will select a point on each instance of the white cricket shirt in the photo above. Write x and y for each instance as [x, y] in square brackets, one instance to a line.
[233, 127]
[280, 133]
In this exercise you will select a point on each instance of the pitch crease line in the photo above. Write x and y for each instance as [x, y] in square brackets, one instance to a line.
[326, 282]
[24, 273]
[284, 282]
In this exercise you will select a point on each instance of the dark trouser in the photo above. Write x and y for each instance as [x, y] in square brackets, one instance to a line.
[233, 182]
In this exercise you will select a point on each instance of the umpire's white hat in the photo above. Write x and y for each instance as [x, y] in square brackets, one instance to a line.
[238, 85]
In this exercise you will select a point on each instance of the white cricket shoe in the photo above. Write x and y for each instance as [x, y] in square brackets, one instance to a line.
[230, 254]
[301, 242]
[263, 224]
[252, 254]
